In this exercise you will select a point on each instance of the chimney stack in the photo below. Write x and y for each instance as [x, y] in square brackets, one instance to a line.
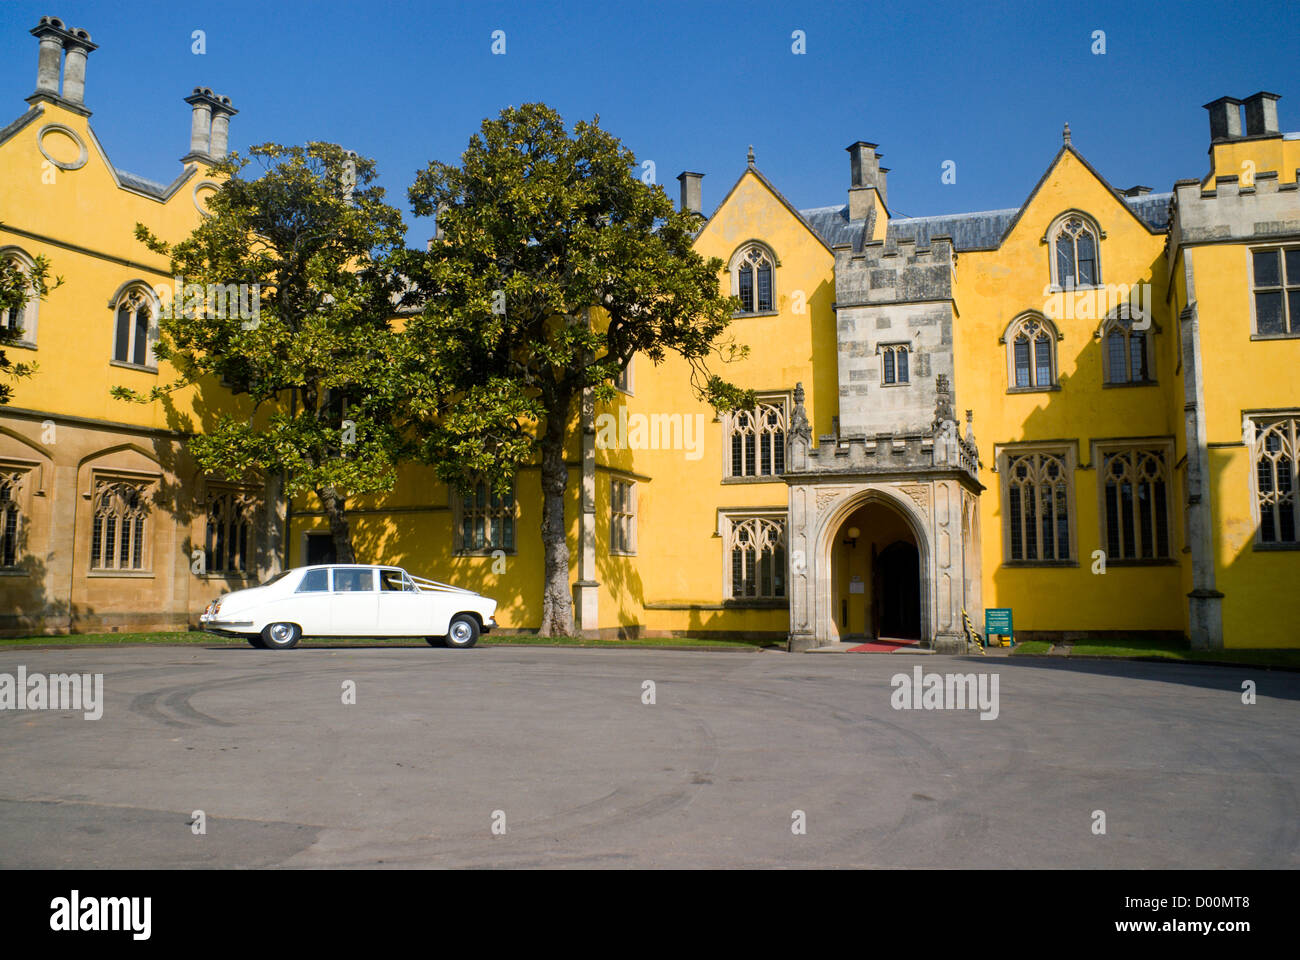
[209, 125]
[56, 37]
[865, 178]
[76, 47]
[1261, 114]
[1225, 118]
[690, 182]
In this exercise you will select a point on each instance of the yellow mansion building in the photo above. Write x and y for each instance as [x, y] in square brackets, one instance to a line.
[1083, 408]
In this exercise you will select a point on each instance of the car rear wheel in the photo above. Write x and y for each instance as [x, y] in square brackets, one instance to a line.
[281, 636]
[463, 631]
[257, 641]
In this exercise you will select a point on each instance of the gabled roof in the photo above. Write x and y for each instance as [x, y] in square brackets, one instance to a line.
[1123, 200]
[128, 181]
[751, 168]
[980, 230]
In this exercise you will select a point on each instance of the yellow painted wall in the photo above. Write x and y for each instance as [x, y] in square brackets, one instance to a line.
[1242, 374]
[994, 287]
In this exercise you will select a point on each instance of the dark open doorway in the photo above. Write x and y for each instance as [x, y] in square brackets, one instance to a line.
[896, 597]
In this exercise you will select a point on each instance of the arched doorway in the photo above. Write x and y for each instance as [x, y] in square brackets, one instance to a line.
[875, 574]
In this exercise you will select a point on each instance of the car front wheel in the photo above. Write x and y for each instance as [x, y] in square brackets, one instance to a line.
[463, 631]
[281, 636]
[257, 641]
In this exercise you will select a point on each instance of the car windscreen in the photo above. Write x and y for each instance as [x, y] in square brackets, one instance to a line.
[354, 580]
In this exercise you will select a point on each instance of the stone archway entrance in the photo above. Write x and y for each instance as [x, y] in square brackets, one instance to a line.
[875, 572]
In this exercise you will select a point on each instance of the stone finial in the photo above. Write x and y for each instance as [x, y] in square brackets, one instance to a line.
[943, 412]
[799, 425]
[970, 429]
[1065, 135]
[750, 158]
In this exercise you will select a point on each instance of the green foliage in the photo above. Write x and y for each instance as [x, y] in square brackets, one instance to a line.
[18, 288]
[537, 227]
[315, 242]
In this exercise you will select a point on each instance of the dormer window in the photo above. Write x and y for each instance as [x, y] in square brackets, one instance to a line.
[751, 279]
[1075, 258]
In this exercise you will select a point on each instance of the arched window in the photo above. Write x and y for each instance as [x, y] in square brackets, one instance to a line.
[757, 559]
[1075, 253]
[1276, 479]
[1126, 354]
[1136, 503]
[134, 315]
[10, 515]
[1031, 352]
[757, 436]
[752, 279]
[118, 532]
[230, 543]
[20, 322]
[1037, 486]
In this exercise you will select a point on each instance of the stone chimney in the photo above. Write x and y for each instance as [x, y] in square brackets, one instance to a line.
[1261, 114]
[209, 125]
[690, 182]
[57, 38]
[1225, 118]
[865, 179]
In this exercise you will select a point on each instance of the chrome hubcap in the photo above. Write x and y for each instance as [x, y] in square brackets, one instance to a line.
[460, 631]
[281, 632]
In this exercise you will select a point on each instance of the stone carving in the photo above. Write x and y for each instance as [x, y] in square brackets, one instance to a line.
[799, 425]
[919, 494]
[828, 495]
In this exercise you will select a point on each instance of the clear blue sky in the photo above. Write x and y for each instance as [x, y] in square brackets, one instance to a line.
[691, 85]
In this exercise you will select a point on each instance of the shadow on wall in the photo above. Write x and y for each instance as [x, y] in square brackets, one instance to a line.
[1072, 598]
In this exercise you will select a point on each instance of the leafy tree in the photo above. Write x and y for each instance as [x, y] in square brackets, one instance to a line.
[310, 239]
[538, 226]
[19, 287]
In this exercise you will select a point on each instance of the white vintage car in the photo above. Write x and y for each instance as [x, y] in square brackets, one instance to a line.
[350, 600]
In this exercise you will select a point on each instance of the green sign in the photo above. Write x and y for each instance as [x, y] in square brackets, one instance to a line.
[997, 622]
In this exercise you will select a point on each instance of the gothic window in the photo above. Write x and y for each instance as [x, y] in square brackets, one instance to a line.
[624, 379]
[20, 322]
[1276, 480]
[230, 544]
[10, 517]
[118, 530]
[1135, 503]
[131, 335]
[1037, 506]
[751, 273]
[1126, 352]
[1074, 245]
[622, 516]
[1275, 276]
[756, 439]
[1031, 353]
[485, 520]
[893, 363]
[756, 548]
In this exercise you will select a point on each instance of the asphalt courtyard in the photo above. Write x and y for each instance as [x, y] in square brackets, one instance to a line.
[444, 750]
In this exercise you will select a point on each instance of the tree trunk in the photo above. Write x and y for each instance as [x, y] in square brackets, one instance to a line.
[336, 513]
[557, 601]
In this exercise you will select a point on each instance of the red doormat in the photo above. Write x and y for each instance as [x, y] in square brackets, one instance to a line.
[883, 646]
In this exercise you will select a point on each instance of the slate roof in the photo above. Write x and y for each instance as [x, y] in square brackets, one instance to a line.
[982, 230]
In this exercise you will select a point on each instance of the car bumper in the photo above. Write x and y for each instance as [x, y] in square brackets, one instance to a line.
[489, 625]
[224, 625]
